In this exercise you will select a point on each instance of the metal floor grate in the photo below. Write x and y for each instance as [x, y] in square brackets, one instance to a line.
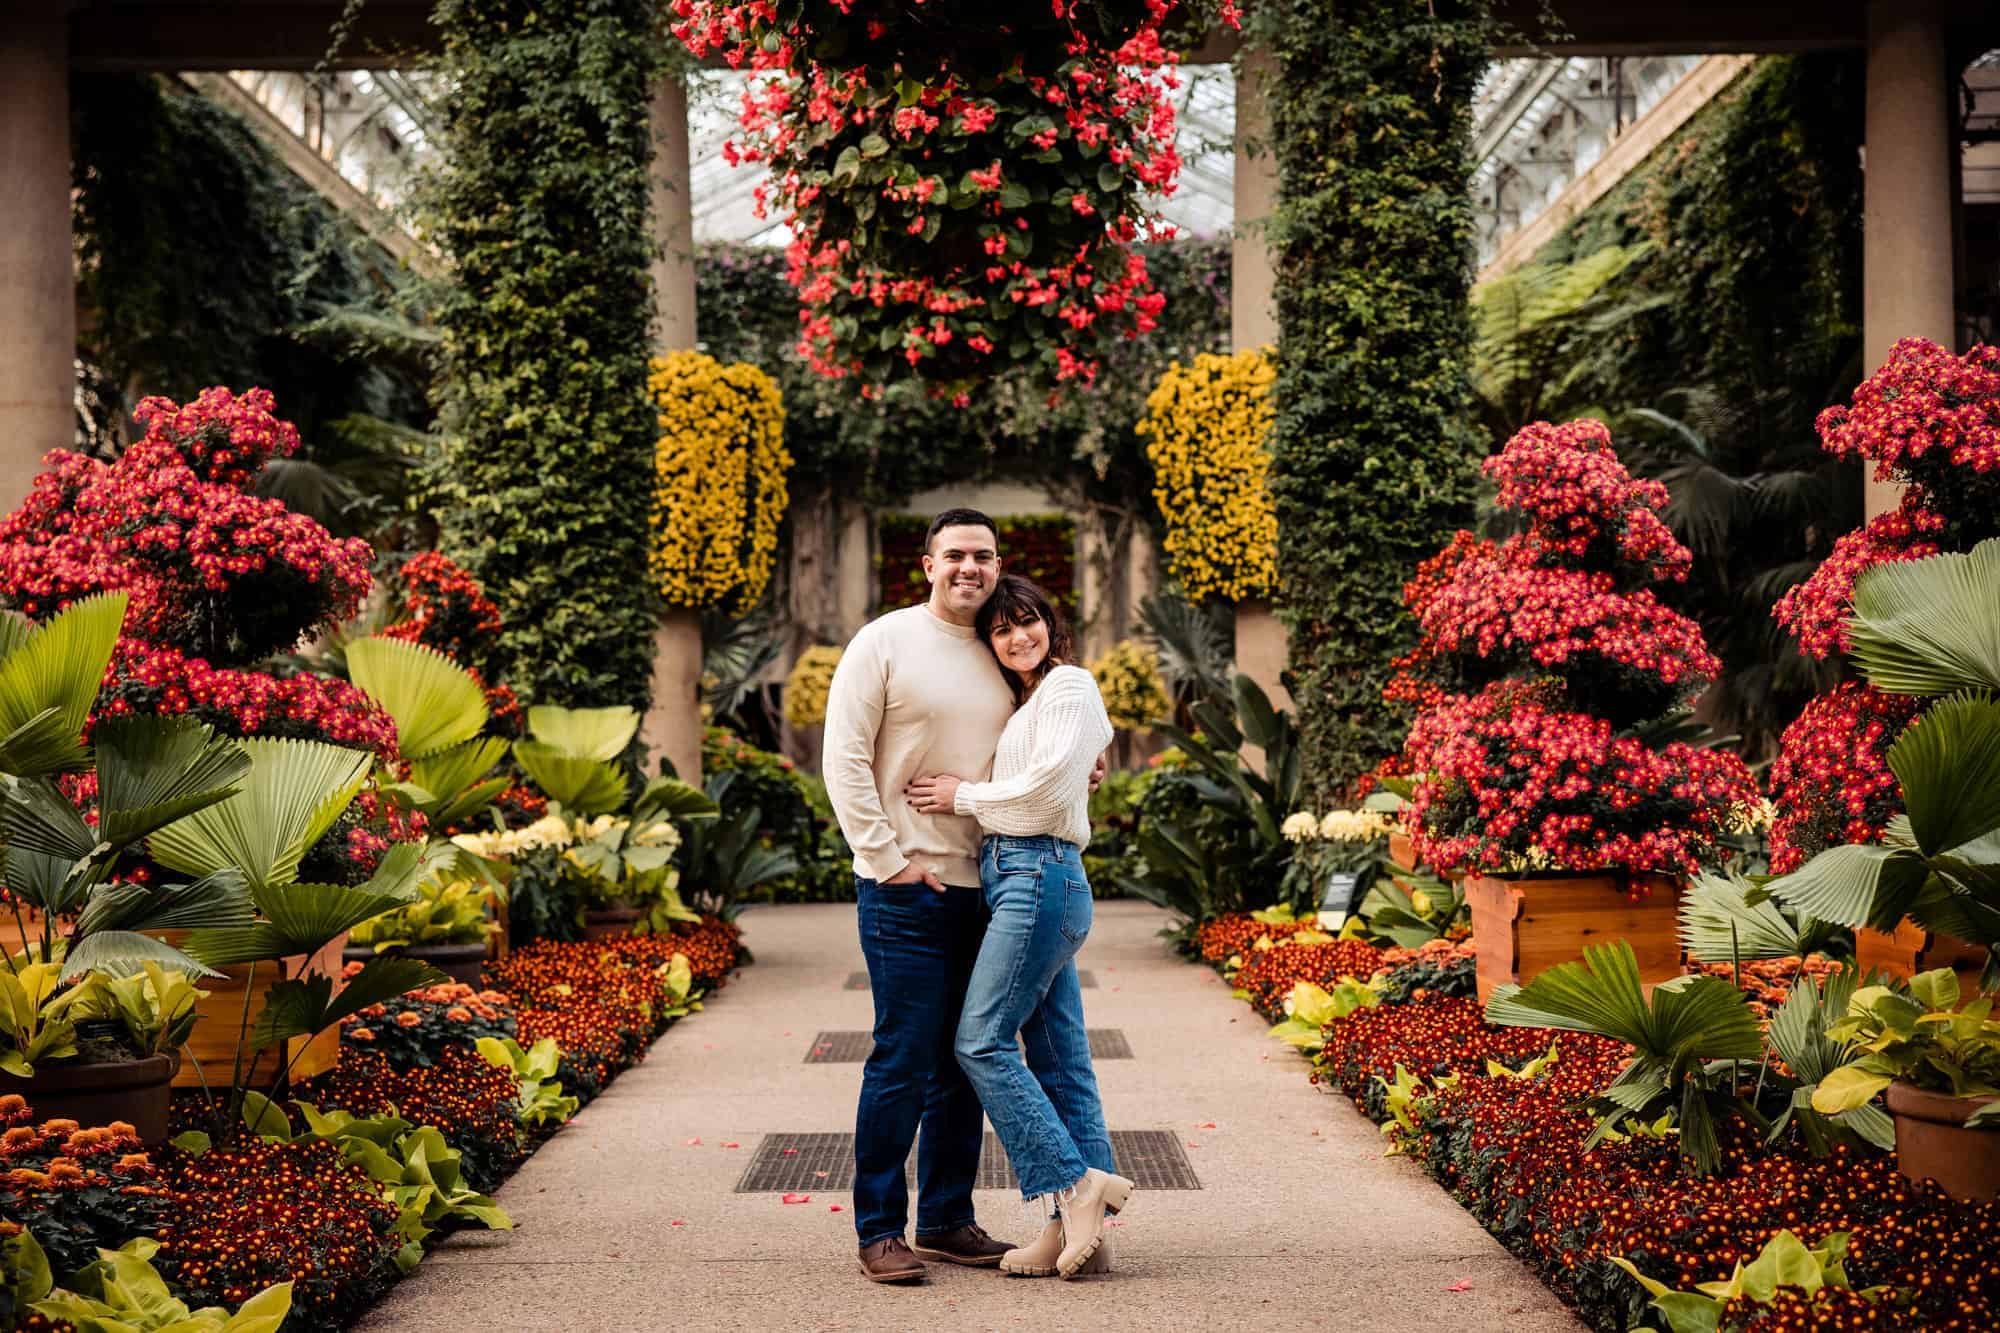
[840, 1048]
[847, 1048]
[1153, 1158]
[859, 980]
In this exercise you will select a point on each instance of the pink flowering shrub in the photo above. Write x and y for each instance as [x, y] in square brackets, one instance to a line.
[145, 679]
[212, 570]
[1538, 658]
[965, 184]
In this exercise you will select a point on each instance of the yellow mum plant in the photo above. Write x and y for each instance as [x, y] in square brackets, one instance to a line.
[806, 686]
[1206, 430]
[718, 481]
[1128, 676]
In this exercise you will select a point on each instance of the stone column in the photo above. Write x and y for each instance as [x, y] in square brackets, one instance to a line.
[1253, 315]
[1906, 266]
[37, 263]
[854, 568]
[1253, 321]
[673, 721]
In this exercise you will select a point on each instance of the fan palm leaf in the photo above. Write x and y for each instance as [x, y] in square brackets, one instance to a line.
[48, 681]
[436, 703]
[1931, 626]
[154, 770]
[294, 792]
[581, 785]
[589, 733]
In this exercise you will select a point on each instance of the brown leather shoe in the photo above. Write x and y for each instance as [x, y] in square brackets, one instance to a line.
[890, 1260]
[969, 1245]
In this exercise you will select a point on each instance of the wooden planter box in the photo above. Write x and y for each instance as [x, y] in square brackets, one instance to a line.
[1910, 949]
[212, 1044]
[609, 923]
[1933, 1143]
[1401, 850]
[15, 934]
[460, 962]
[1523, 927]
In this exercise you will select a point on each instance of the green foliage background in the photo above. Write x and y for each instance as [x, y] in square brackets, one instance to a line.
[1374, 443]
[548, 434]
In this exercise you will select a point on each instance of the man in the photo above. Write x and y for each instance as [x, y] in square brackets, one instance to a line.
[915, 693]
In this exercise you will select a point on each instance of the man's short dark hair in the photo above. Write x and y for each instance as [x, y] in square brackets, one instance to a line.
[957, 518]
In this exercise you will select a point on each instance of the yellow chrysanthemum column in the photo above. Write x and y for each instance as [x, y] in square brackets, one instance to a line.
[718, 497]
[1206, 430]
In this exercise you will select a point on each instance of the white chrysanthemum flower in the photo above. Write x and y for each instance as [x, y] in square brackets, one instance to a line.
[1300, 827]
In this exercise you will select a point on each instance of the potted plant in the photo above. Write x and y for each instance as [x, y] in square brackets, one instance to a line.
[447, 925]
[1939, 1063]
[287, 953]
[94, 1008]
[1549, 759]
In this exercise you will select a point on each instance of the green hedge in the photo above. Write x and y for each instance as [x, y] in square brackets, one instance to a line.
[549, 436]
[1374, 447]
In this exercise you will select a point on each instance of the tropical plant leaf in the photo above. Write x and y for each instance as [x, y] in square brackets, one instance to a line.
[58, 666]
[1689, 1017]
[308, 916]
[216, 900]
[470, 802]
[1930, 627]
[1713, 904]
[591, 733]
[306, 1005]
[1196, 646]
[1857, 884]
[451, 773]
[1949, 765]
[228, 946]
[674, 799]
[294, 792]
[52, 883]
[120, 953]
[436, 703]
[37, 817]
[154, 770]
[580, 785]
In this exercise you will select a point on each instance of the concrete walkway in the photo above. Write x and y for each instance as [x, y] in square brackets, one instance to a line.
[626, 1223]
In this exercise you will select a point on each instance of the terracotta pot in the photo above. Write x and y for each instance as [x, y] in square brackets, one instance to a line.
[609, 923]
[1933, 1143]
[1401, 850]
[1910, 949]
[1523, 927]
[135, 1091]
[460, 962]
[213, 1042]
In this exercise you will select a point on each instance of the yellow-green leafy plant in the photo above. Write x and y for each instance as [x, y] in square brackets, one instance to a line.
[541, 1101]
[1731, 1306]
[155, 1006]
[1309, 1008]
[1922, 1037]
[807, 684]
[450, 911]
[1128, 676]
[1207, 429]
[121, 1292]
[719, 489]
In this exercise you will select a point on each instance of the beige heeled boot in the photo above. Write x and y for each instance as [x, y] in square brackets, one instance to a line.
[1038, 1258]
[1082, 1210]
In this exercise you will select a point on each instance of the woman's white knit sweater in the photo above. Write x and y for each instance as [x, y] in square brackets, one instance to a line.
[1041, 772]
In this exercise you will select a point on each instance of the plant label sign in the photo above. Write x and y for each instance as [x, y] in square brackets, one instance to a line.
[1342, 887]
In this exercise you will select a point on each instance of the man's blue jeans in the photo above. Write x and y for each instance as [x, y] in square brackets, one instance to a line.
[1045, 1108]
[920, 945]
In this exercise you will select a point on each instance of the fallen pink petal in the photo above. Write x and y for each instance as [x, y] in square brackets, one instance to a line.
[798, 1198]
[1463, 1284]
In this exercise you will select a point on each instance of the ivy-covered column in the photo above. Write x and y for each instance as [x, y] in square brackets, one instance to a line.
[1374, 448]
[541, 486]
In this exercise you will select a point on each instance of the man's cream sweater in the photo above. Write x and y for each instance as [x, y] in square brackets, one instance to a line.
[913, 695]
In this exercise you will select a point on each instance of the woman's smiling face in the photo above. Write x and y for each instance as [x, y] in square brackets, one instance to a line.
[1021, 648]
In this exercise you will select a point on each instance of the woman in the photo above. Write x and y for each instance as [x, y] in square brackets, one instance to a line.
[1036, 812]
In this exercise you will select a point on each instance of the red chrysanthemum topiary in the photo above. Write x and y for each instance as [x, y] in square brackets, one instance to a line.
[965, 186]
[1930, 420]
[212, 569]
[1539, 656]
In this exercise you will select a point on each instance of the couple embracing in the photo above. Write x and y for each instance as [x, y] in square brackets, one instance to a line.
[972, 906]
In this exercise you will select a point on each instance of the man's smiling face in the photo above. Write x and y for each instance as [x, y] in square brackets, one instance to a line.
[963, 567]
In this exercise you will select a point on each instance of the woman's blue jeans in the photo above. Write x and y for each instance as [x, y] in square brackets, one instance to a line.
[1045, 1107]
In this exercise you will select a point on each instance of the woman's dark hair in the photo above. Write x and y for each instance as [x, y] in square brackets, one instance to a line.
[1018, 601]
